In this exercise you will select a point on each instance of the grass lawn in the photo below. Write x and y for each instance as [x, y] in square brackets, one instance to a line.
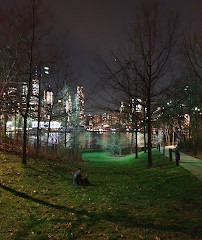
[126, 200]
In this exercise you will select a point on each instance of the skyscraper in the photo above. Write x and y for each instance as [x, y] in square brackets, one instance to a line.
[80, 103]
[34, 97]
[48, 97]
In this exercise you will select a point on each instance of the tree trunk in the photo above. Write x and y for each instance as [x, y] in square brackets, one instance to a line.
[173, 138]
[131, 145]
[24, 153]
[164, 148]
[149, 159]
[136, 145]
[164, 140]
[65, 138]
[49, 128]
[24, 156]
[168, 137]
[66, 116]
[144, 133]
[195, 140]
[15, 127]
[149, 127]
[120, 135]
[149, 142]
[136, 131]
[39, 113]
[189, 131]
[5, 119]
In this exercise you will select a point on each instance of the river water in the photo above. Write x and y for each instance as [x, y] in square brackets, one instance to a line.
[93, 140]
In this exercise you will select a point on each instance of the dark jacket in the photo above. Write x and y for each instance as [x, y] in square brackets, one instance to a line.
[177, 155]
[77, 179]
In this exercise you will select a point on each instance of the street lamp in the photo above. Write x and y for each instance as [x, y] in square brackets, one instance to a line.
[186, 88]
[46, 70]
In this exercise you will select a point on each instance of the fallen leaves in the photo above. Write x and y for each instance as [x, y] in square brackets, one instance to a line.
[69, 224]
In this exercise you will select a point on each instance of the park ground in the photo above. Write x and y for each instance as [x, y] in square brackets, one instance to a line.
[125, 201]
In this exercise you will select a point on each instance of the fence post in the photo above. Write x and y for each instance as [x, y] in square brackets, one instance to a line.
[170, 154]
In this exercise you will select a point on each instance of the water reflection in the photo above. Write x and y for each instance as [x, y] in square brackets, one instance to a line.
[94, 139]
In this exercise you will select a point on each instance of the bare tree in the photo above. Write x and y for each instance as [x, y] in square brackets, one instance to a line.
[8, 66]
[26, 39]
[192, 54]
[139, 69]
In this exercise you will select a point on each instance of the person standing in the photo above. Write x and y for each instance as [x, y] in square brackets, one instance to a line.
[177, 157]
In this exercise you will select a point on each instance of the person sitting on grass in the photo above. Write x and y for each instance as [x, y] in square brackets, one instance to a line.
[78, 179]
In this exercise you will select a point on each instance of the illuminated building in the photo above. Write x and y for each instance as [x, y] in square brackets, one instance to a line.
[122, 107]
[47, 104]
[48, 97]
[10, 98]
[35, 87]
[34, 97]
[65, 106]
[135, 108]
[103, 118]
[16, 95]
[80, 103]
[115, 118]
[109, 119]
[96, 119]
[24, 92]
[139, 107]
[123, 115]
[68, 105]
[89, 121]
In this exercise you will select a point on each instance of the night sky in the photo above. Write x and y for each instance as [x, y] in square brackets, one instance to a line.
[98, 26]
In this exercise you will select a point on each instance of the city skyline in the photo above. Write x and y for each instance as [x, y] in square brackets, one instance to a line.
[145, 66]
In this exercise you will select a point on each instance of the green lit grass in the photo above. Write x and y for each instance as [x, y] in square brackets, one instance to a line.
[126, 200]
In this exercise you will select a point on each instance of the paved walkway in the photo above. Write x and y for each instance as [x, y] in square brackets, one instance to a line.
[192, 164]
